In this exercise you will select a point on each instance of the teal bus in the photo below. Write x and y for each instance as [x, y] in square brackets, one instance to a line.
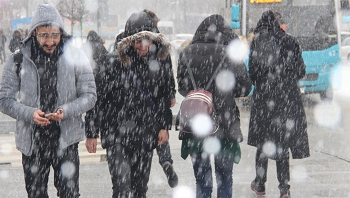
[315, 25]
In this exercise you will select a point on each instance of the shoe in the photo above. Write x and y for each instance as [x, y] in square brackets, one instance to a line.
[258, 189]
[285, 195]
[173, 180]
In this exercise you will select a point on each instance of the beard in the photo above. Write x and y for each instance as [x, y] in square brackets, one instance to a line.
[37, 49]
[57, 51]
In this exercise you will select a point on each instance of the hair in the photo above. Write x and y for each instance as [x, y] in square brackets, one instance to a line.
[48, 25]
[153, 15]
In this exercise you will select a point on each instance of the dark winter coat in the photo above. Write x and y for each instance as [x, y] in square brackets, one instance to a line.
[136, 88]
[15, 42]
[204, 54]
[95, 50]
[277, 113]
[103, 118]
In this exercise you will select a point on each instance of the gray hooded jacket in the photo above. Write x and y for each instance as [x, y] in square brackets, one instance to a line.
[75, 87]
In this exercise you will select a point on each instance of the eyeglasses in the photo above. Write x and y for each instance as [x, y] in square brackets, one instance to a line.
[44, 36]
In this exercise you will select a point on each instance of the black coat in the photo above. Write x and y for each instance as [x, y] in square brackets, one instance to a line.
[275, 67]
[15, 44]
[134, 88]
[204, 54]
[102, 119]
[95, 51]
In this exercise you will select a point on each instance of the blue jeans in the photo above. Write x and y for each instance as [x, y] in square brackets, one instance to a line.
[203, 174]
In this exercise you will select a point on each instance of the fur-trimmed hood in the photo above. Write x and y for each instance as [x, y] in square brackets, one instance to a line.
[140, 26]
[125, 45]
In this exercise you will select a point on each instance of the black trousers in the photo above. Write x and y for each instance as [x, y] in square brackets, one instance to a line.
[129, 170]
[282, 165]
[164, 154]
[65, 164]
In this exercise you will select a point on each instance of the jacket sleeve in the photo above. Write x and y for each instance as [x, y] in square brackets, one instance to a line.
[85, 87]
[183, 81]
[92, 118]
[104, 81]
[166, 114]
[171, 80]
[253, 66]
[10, 84]
[243, 83]
[299, 64]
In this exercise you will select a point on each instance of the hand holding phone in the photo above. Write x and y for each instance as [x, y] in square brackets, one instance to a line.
[57, 116]
[40, 118]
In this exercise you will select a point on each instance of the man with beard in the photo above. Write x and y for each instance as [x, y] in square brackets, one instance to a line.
[55, 86]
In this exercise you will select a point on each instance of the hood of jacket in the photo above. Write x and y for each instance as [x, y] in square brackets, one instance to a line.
[268, 23]
[140, 26]
[46, 14]
[214, 29]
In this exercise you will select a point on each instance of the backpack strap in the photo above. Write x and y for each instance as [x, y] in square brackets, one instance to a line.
[215, 72]
[190, 73]
[212, 77]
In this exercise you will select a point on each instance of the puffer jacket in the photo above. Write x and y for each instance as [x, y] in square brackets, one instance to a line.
[76, 88]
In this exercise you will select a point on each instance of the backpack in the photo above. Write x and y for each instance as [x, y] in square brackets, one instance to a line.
[198, 104]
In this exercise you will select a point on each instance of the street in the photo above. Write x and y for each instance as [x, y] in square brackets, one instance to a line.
[324, 174]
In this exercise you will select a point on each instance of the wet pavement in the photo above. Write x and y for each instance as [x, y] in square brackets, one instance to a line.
[321, 175]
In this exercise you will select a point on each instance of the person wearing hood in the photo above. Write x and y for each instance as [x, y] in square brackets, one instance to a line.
[46, 87]
[136, 106]
[163, 150]
[204, 55]
[15, 42]
[277, 119]
[95, 50]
